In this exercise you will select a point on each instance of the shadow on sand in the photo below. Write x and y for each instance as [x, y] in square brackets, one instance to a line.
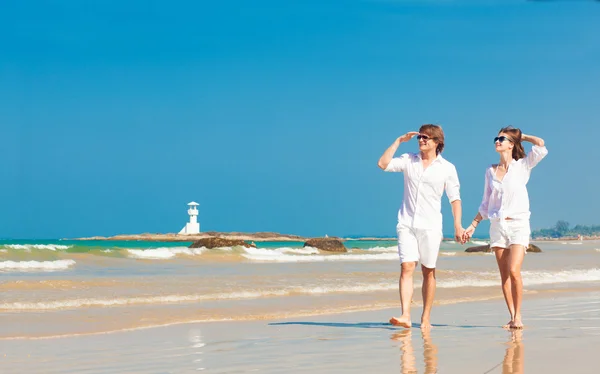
[371, 325]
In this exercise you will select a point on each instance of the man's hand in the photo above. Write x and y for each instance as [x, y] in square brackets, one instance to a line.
[408, 136]
[459, 234]
[468, 234]
[388, 155]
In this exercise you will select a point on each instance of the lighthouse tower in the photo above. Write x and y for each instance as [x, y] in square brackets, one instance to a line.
[192, 227]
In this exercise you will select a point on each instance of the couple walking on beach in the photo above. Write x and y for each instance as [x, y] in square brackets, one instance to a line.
[505, 203]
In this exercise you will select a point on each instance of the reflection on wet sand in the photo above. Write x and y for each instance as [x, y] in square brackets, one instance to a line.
[195, 337]
[408, 363]
[513, 363]
[514, 358]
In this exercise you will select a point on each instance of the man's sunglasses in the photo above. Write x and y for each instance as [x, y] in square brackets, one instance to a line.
[501, 139]
[423, 137]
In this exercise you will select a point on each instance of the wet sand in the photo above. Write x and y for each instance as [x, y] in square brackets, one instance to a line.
[562, 335]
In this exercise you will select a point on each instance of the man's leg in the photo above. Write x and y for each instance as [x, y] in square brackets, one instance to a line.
[429, 248]
[502, 257]
[428, 290]
[409, 255]
[406, 292]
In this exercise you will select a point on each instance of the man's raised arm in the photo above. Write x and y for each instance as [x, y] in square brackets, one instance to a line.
[387, 156]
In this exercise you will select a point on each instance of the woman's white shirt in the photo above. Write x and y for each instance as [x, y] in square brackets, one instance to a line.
[508, 198]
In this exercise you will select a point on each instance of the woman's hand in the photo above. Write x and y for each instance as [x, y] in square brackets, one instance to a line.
[468, 234]
[532, 139]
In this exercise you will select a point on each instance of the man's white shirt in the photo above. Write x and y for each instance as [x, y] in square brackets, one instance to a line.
[423, 189]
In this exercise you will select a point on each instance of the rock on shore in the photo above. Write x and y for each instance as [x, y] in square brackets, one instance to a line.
[486, 248]
[216, 242]
[326, 244]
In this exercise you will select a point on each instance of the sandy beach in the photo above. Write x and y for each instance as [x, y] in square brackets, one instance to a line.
[465, 339]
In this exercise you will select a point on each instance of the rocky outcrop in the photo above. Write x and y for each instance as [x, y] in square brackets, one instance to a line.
[262, 236]
[216, 242]
[326, 244]
[486, 248]
[479, 248]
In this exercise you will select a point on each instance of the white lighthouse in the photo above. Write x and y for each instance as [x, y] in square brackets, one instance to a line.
[192, 227]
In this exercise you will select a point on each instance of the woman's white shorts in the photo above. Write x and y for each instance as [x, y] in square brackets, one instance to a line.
[504, 233]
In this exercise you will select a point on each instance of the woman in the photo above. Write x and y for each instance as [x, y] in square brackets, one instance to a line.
[506, 204]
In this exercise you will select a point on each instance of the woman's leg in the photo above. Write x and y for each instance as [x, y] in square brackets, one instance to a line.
[502, 258]
[515, 259]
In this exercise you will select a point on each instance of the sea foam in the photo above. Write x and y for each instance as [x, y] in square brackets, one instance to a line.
[163, 253]
[51, 247]
[36, 265]
[283, 255]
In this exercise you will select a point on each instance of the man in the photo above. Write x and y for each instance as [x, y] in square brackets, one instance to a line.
[426, 175]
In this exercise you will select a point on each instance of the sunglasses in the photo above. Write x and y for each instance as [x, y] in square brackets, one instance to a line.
[423, 137]
[501, 139]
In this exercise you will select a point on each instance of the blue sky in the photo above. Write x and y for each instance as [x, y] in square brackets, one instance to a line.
[272, 115]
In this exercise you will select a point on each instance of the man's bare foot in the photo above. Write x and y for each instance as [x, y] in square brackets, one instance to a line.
[402, 322]
[517, 324]
[425, 325]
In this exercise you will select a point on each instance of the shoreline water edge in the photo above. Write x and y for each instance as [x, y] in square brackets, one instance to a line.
[268, 237]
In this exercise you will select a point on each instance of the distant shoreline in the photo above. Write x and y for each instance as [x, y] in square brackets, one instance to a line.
[256, 237]
[566, 238]
[263, 237]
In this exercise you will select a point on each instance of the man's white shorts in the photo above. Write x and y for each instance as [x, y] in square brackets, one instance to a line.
[419, 245]
[504, 233]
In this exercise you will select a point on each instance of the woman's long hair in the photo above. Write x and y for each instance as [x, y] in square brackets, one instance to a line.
[515, 135]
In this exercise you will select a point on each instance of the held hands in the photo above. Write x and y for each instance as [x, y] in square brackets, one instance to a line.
[468, 234]
[459, 234]
[408, 136]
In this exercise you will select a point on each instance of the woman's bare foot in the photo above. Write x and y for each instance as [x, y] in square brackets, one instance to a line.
[401, 321]
[508, 325]
[517, 324]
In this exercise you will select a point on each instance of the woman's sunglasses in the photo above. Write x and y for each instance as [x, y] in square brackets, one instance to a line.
[501, 139]
[423, 137]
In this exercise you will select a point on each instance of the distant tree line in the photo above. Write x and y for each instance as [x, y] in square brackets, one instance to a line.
[562, 229]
